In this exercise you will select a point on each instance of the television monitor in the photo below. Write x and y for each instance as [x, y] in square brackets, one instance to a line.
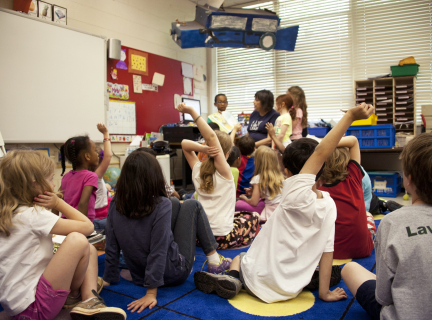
[196, 104]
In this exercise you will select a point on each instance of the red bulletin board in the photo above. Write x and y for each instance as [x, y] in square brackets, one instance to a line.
[153, 109]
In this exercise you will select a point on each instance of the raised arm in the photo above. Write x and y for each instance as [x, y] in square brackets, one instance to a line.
[212, 141]
[236, 128]
[331, 140]
[352, 144]
[100, 171]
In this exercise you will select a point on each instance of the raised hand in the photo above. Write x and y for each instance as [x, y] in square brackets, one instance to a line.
[362, 111]
[102, 128]
[182, 107]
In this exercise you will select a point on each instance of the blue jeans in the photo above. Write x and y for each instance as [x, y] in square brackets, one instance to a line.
[100, 223]
[188, 223]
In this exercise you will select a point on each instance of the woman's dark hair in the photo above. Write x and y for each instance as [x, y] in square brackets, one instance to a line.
[214, 126]
[297, 153]
[234, 155]
[266, 98]
[140, 185]
[218, 95]
[72, 150]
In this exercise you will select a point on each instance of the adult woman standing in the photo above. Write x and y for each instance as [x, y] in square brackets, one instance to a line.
[263, 113]
[299, 124]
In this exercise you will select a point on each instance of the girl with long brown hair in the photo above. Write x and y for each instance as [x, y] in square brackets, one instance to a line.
[300, 122]
[214, 183]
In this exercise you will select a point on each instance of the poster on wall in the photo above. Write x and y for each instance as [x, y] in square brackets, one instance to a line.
[33, 10]
[138, 62]
[45, 10]
[121, 64]
[59, 14]
[137, 84]
[187, 86]
[118, 91]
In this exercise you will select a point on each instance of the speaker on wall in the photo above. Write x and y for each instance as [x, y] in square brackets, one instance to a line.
[114, 49]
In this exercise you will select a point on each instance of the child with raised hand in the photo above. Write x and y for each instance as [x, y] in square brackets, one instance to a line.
[342, 178]
[80, 184]
[34, 283]
[401, 287]
[156, 235]
[299, 234]
[105, 155]
[215, 186]
[267, 183]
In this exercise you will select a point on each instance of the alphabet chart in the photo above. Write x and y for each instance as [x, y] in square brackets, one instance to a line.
[121, 117]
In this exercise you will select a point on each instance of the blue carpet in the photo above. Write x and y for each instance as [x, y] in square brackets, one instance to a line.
[186, 302]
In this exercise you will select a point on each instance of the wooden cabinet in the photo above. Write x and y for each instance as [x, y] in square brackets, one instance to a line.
[393, 99]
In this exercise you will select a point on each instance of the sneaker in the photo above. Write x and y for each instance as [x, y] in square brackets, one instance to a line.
[72, 302]
[223, 265]
[225, 286]
[335, 278]
[392, 205]
[95, 308]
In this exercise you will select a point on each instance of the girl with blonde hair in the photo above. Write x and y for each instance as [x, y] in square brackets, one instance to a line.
[267, 183]
[34, 283]
[214, 183]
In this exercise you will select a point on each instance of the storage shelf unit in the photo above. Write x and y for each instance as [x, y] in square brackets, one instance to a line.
[393, 99]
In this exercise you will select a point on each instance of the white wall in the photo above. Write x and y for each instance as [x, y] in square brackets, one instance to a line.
[139, 24]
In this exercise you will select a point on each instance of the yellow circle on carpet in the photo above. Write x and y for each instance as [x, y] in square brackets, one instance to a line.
[379, 216]
[339, 262]
[248, 304]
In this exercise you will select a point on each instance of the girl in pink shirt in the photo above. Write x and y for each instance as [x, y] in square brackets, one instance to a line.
[300, 121]
[80, 184]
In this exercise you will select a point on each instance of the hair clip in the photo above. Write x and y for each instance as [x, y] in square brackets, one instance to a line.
[72, 141]
[292, 107]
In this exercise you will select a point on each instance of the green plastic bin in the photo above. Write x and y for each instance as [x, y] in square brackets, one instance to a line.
[405, 70]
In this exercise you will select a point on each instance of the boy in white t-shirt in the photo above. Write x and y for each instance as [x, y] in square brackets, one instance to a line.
[299, 234]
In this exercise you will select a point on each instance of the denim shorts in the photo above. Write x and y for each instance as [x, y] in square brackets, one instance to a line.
[366, 298]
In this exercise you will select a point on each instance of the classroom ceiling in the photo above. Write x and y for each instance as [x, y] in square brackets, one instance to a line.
[233, 3]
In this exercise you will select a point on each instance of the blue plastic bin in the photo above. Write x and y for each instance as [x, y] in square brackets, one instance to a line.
[393, 183]
[374, 137]
[319, 132]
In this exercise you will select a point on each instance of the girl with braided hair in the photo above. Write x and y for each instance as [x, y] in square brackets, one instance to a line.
[80, 184]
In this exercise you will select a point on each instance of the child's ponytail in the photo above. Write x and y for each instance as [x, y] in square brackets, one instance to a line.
[289, 104]
[8, 204]
[300, 102]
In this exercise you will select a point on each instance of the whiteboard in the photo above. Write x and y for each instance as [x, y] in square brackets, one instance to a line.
[121, 117]
[53, 81]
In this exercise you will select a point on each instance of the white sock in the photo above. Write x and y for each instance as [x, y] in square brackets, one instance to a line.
[214, 258]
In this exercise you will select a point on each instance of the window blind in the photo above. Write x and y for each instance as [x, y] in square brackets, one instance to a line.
[338, 42]
[389, 31]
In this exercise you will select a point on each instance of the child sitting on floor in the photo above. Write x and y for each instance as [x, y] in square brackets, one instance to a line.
[214, 183]
[156, 235]
[247, 167]
[234, 161]
[267, 183]
[299, 233]
[342, 176]
[401, 287]
[80, 184]
[34, 283]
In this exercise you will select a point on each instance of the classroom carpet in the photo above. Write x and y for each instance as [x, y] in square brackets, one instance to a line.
[186, 302]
